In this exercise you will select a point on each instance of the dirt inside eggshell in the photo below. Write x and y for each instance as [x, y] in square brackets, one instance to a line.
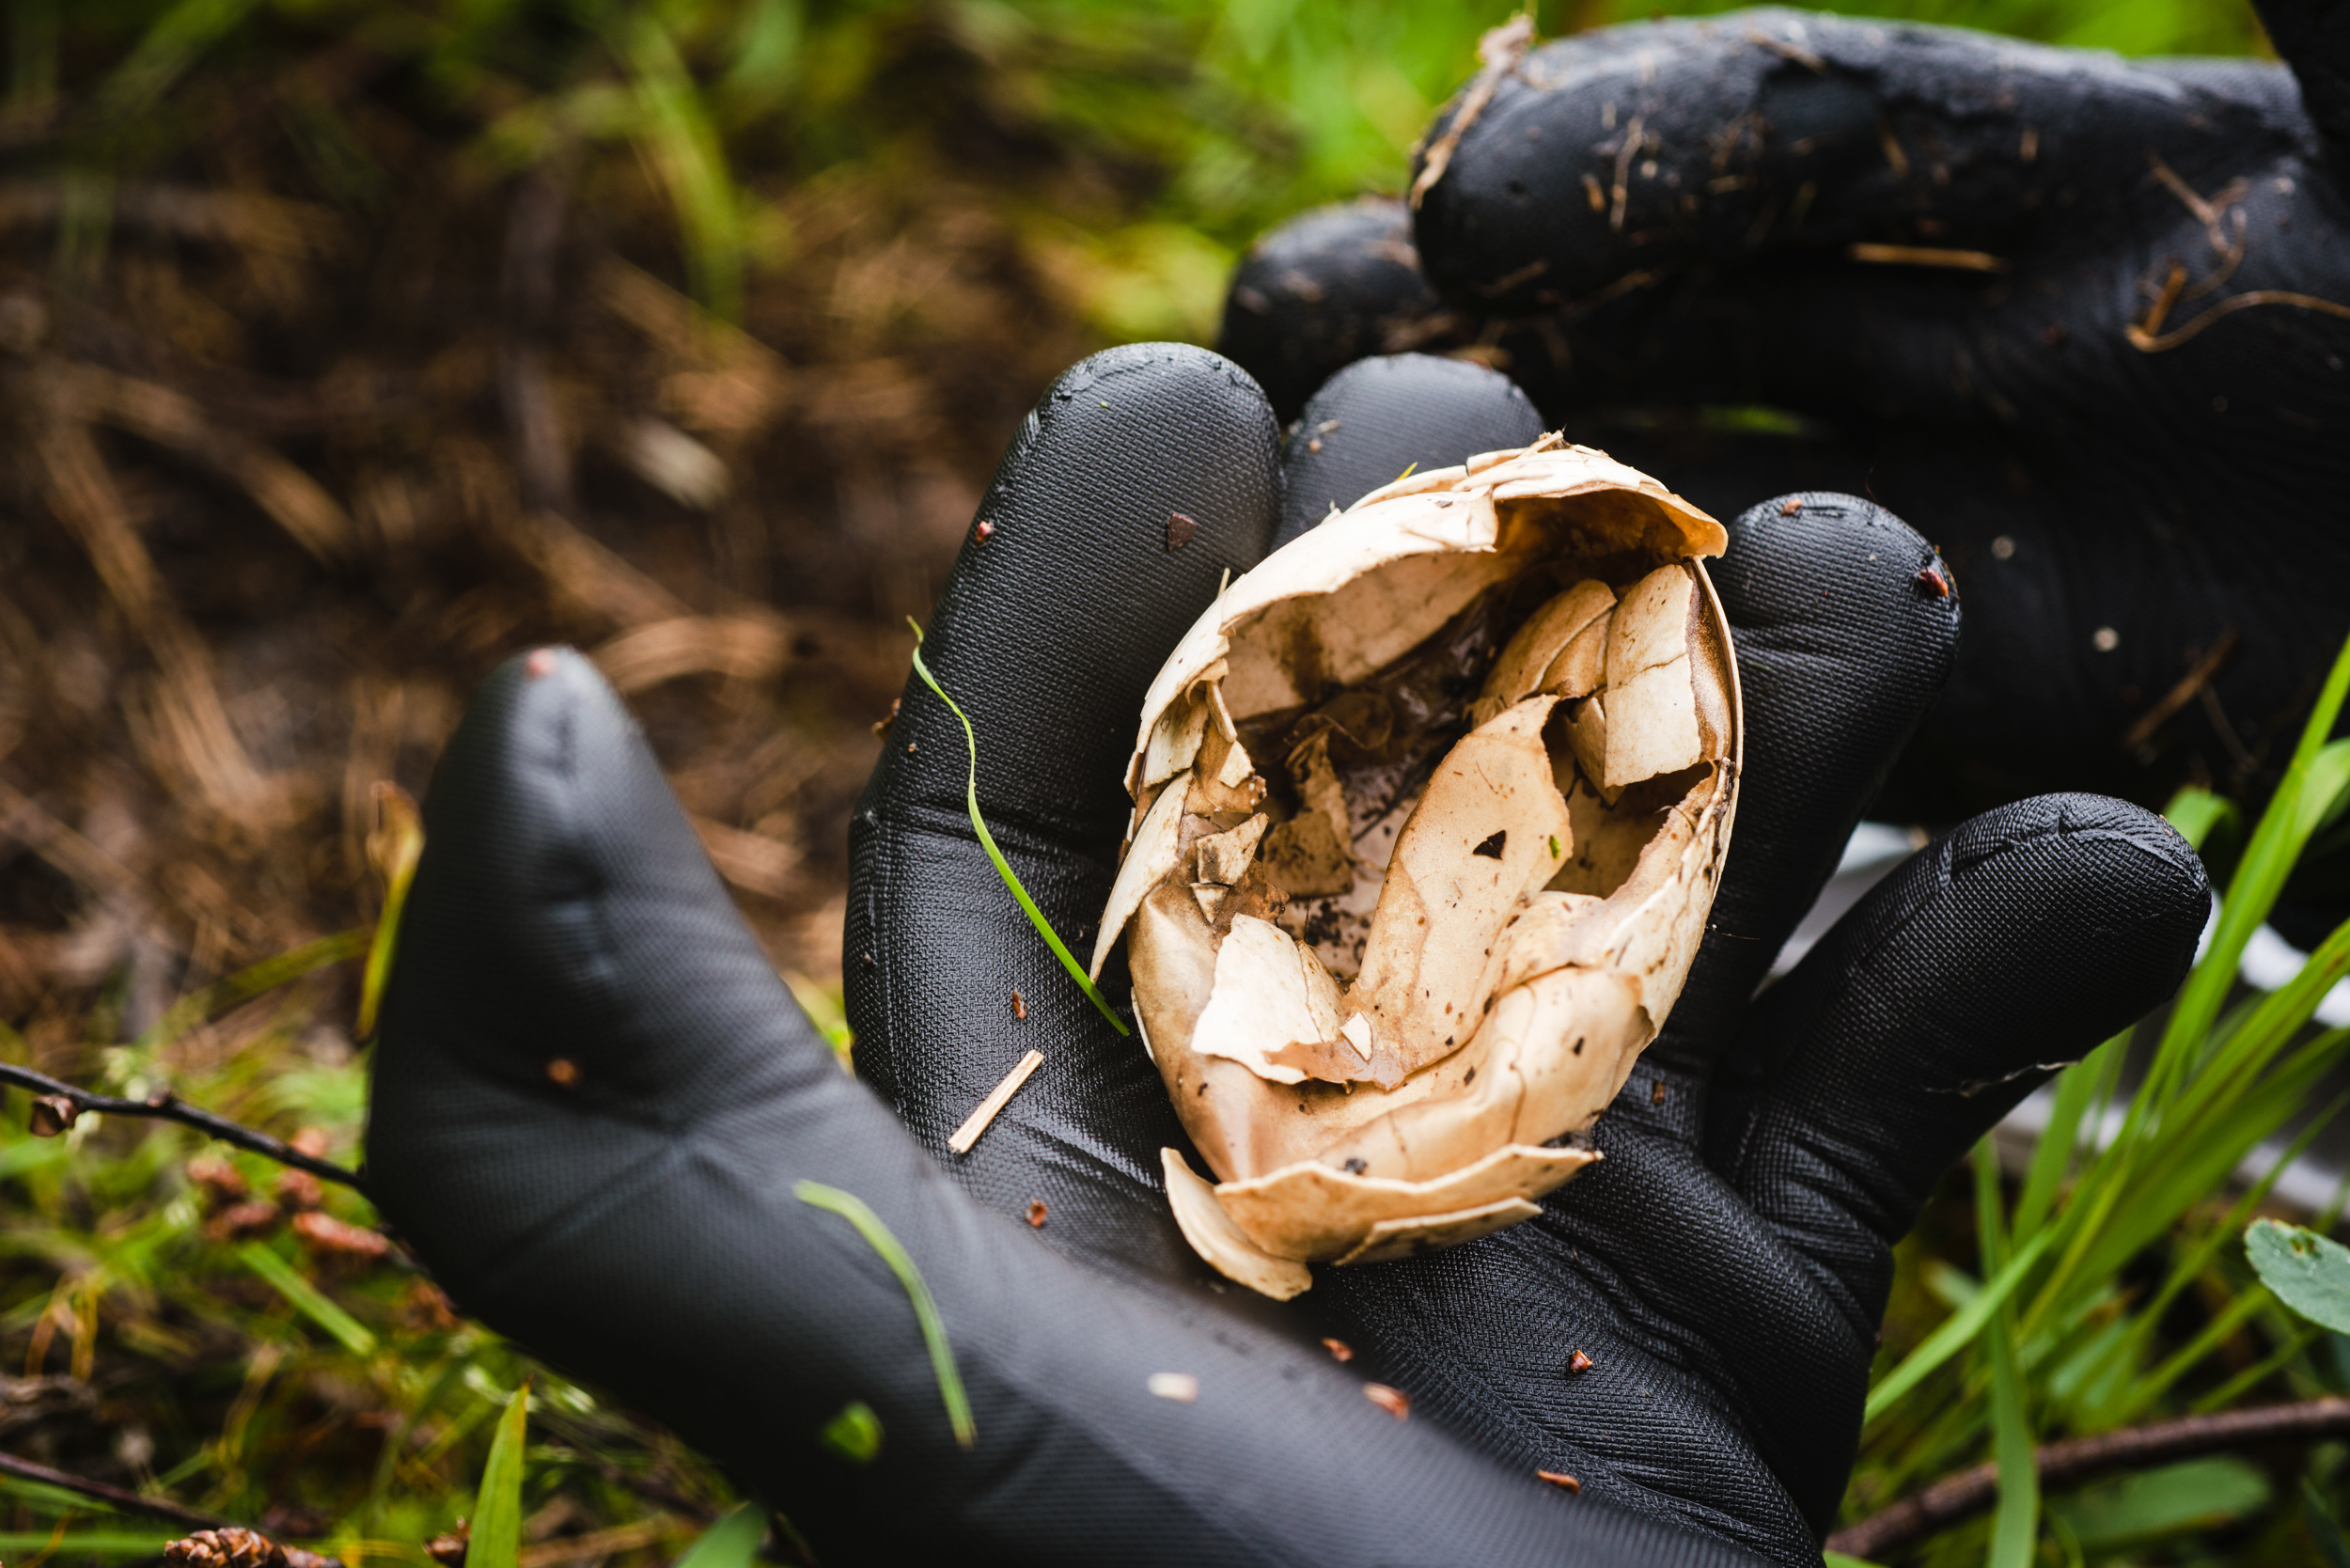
[1429, 812]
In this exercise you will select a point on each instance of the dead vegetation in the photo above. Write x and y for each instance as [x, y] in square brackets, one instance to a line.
[293, 476]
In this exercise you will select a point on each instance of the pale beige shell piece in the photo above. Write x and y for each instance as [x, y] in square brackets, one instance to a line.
[1395, 949]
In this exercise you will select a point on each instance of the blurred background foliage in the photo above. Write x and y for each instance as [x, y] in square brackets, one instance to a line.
[1206, 122]
[345, 347]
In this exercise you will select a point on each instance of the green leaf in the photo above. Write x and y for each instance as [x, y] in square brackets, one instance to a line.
[1003, 867]
[1838, 1559]
[2307, 1272]
[854, 1434]
[2196, 1495]
[352, 1335]
[497, 1537]
[877, 1236]
[731, 1543]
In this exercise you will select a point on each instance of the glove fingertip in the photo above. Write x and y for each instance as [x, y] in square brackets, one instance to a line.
[1379, 417]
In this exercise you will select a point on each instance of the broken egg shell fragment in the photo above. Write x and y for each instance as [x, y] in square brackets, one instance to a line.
[1582, 664]
[1520, 925]
[1524, 664]
[1444, 902]
[1155, 850]
[1408, 1238]
[1302, 1212]
[1174, 742]
[1224, 858]
[1264, 998]
[1587, 735]
[1664, 711]
[1215, 1238]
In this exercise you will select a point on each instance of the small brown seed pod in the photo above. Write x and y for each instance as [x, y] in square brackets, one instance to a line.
[1429, 809]
[231, 1548]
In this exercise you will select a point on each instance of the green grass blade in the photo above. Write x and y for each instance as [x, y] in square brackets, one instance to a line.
[170, 45]
[2259, 1372]
[877, 1236]
[2214, 1334]
[2075, 1102]
[246, 985]
[2322, 1528]
[731, 1543]
[2313, 781]
[2147, 1319]
[2206, 1149]
[496, 1537]
[402, 845]
[73, 1548]
[683, 144]
[1003, 867]
[2196, 813]
[2228, 1070]
[347, 1331]
[2015, 1525]
[1959, 1328]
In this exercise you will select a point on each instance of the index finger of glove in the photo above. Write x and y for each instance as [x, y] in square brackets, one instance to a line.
[1143, 476]
[1615, 152]
[2008, 948]
[1845, 624]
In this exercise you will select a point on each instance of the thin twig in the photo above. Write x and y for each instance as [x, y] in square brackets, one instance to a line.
[168, 1107]
[1971, 1492]
[2146, 339]
[162, 1508]
[2182, 694]
[1619, 191]
[1926, 256]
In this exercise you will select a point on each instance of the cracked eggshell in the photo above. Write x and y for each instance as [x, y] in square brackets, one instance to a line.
[1395, 951]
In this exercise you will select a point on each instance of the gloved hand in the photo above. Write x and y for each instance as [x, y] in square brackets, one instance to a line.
[593, 1101]
[2084, 323]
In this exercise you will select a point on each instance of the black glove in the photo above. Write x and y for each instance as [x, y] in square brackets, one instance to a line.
[631, 1214]
[1648, 222]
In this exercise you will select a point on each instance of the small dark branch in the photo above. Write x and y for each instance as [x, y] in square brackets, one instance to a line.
[161, 1508]
[2136, 1448]
[2189, 687]
[56, 1105]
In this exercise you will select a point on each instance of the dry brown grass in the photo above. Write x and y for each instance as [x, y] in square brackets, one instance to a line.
[289, 478]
